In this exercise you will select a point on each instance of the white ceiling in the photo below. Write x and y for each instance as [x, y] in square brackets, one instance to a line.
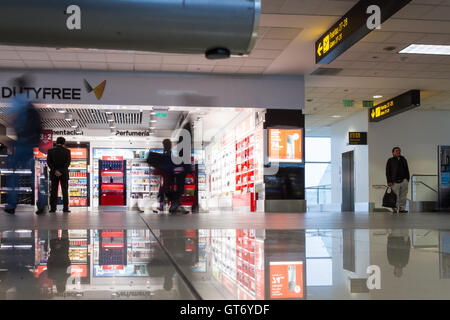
[285, 45]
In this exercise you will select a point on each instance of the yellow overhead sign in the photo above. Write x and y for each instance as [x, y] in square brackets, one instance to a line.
[402, 103]
[382, 110]
[353, 26]
[332, 38]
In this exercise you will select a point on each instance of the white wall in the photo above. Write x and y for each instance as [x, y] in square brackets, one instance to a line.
[417, 133]
[339, 145]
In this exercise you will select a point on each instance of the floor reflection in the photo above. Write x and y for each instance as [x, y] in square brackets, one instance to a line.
[242, 264]
[86, 264]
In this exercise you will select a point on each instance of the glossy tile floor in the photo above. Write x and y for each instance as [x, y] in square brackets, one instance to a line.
[115, 254]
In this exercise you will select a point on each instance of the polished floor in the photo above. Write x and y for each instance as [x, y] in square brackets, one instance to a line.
[119, 254]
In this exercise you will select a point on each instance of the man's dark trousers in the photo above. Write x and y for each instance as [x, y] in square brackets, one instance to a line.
[64, 180]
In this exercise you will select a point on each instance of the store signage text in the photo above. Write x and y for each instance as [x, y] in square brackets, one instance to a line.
[402, 103]
[43, 93]
[133, 133]
[66, 133]
[358, 22]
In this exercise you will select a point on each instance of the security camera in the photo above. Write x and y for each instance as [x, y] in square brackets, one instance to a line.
[217, 53]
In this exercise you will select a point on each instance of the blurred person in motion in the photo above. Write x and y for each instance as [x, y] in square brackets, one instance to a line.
[26, 122]
[172, 178]
[58, 260]
[398, 249]
[58, 160]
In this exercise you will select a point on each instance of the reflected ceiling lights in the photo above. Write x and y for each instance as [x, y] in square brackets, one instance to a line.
[62, 111]
[427, 49]
[68, 117]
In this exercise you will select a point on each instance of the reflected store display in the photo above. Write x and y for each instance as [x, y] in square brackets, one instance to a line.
[224, 264]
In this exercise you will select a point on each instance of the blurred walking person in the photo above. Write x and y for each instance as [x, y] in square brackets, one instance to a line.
[26, 122]
[58, 160]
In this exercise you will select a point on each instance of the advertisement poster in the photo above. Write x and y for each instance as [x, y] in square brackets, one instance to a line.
[285, 145]
[78, 153]
[286, 280]
[45, 143]
[134, 270]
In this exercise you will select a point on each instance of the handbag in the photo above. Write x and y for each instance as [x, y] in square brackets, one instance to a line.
[389, 198]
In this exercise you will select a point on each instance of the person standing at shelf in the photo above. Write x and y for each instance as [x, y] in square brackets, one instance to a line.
[58, 160]
[26, 122]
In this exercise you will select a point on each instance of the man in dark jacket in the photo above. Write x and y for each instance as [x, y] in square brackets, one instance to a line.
[398, 249]
[397, 175]
[58, 160]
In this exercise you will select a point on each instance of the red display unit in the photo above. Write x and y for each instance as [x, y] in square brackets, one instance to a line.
[112, 181]
[189, 198]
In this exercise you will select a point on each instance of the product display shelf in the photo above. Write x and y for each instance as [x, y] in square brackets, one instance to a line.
[245, 165]
[78, 246]
[140, 246]
[26, 181]
[78, 183]
[223, 248]
[144, 184]
[245, 260]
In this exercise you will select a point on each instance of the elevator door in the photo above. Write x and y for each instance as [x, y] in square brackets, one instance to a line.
[348, 187]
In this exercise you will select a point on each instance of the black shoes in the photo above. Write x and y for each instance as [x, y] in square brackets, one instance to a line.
[9, 210]
[40, 210]
[66, 211]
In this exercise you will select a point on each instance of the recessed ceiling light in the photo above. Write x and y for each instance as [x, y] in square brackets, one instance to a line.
[377, 97]
[427, 49]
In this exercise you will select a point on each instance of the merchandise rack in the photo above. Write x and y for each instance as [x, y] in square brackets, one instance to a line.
[79, 175]
[26, 182]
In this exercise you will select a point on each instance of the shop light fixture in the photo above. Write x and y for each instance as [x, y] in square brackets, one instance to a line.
[427, 49]
[68, 117]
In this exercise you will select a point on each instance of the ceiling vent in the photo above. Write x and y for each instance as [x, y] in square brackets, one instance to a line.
[326, 72]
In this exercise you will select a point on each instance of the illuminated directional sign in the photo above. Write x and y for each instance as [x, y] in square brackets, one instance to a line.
[402, 103]
[354, 26]
[357, 138]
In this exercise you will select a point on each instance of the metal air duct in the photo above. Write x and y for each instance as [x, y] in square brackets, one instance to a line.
[216, 27]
